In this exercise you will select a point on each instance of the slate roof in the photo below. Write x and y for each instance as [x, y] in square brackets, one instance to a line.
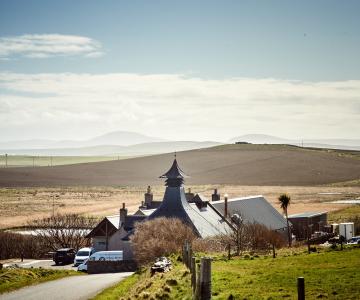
[131, 220]
[205, 220]
[254, 209]
[174, 172]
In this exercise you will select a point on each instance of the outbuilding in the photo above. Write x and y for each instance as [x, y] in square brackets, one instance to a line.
[306, 223]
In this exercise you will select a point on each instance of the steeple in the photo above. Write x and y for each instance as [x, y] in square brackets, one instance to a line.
[175, 176]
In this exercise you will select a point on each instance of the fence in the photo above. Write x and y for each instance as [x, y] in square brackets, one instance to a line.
[201, 275]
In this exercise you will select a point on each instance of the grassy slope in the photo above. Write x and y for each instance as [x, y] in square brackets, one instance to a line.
[328, 274]
[170, 285]
[229, 164]
[11, 279]
[345, 214]
[331, 275]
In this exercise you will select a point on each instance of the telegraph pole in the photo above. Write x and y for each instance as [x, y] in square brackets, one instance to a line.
[6, 160]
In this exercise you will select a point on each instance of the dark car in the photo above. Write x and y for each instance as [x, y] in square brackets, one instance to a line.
[64, 256]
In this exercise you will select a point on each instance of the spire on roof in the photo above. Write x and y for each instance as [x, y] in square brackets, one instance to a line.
[175, 176]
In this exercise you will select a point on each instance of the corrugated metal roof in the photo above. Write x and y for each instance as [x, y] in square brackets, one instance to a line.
[254, 209]
[307, 214]
[207, 222]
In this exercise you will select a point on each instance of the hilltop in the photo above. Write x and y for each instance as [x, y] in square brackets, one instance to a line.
[226, 164]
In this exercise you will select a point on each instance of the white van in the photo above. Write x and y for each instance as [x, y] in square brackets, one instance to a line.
[82, 255]
[102, 256]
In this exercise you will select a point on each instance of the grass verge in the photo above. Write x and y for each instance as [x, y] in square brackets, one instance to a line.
[12, 279]
[171, 285]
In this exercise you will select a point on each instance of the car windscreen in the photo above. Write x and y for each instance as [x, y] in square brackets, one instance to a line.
[83, 253]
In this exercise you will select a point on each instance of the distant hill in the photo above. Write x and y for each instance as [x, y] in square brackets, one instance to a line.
[346, 144]
[119, 138]
[113, 150]
[227, 164]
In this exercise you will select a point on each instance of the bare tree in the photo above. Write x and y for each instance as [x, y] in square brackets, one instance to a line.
[61, 231]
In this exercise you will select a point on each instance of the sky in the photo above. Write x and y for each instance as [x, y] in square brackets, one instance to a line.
[180, 70]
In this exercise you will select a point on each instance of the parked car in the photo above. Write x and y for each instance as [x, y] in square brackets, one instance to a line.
[82, 255]
[64, 256]
[101, 256]
[162, 264]
[355, 240]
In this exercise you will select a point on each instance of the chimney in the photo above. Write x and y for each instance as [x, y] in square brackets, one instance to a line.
[123, 214]
[148, 197]
[215, 196]
[189, 195]
[226, 206]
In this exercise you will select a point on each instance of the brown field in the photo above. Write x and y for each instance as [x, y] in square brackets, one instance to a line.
[18, 206]
[256, 165]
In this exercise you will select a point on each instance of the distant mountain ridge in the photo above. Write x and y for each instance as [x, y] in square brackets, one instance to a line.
[346, 144]
[114, 150]
[118, 138]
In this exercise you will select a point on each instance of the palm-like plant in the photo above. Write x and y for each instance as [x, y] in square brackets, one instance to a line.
[284, 200]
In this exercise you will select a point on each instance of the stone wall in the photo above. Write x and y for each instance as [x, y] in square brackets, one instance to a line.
[96, 267]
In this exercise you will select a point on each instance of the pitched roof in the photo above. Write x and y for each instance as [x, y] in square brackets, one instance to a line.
[205, 220]
[131, 220]
[254, 209]
[174, 172]
[308, 214]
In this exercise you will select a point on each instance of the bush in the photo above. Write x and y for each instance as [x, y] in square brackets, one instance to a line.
[14, 245]
[159, 237]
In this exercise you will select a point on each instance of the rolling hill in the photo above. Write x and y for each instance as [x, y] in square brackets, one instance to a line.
[226, 164]
[347, 144]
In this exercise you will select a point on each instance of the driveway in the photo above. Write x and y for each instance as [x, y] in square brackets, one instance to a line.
[43, 263]
[69, 288]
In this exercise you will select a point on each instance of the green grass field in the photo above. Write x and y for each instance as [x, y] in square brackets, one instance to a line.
[11, 279]
[329, 274]
[43, 161]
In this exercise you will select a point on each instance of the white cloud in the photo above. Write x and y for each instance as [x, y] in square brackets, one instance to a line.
[190, 108]
[48, 45]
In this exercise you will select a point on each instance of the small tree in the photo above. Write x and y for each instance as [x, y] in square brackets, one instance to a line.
[284, 200]
[62, 231]
[159, 237]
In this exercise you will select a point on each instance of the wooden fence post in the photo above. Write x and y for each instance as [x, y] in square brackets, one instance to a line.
[193, 274]
[205, 278]
[198, 283]
[190, 254]
[301, 288]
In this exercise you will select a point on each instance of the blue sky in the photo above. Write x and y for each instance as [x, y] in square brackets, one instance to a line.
[310, 49]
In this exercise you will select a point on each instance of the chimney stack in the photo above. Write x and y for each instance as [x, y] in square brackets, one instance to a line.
[148, 197]
[189, 195]
[215, 196]
[226, 206]
[123, 214]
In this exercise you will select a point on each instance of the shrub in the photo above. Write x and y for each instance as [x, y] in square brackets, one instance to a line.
[159, 237]
[14, 245]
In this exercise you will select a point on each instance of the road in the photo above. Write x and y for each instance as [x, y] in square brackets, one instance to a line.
[69, 288]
